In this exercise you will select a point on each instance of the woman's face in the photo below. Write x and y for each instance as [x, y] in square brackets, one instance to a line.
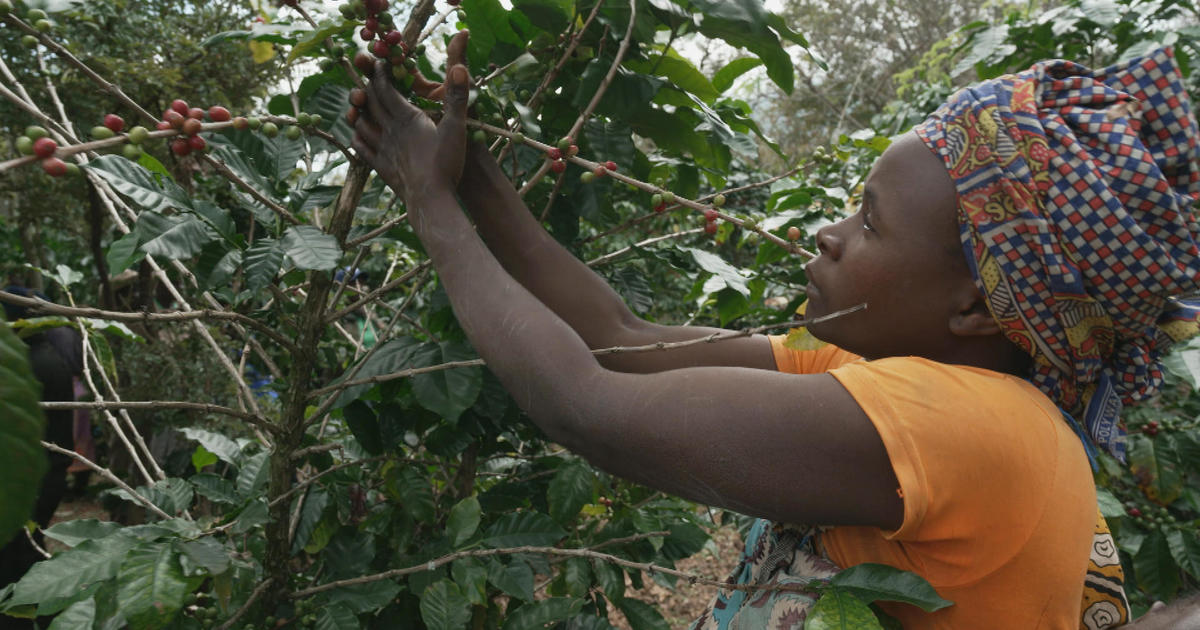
[900, 255]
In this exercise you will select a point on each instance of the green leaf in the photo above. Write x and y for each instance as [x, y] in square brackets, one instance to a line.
[215, 488]
[224, 448]
[492, 37]
[208, 554]
[144, 189]
[202, 457]
[577, 576]
[1110, 506]
[571, 489]
[724, 78]
[336, 617]
[746, 24]
[263, 260]
[463, 521]
[151, 585]
[71, 533]
[538, 614]
[20, 434]
[1156, 570]
[873, 582]
[714, 264]
[551, 16]
[611, 580]
[174, 238]
[446, 392]
[122, 253]
[310, 248]
[838, 609]
[253, 474]
[362, 598]
[1152, 462]
[81, 614]
[361, 419]
[642, 616]
[314, 506]
[316, 38]
[471, 577]
[731, 305]
[411, 489]
[523, 528]
[515, 578]
[444, 607]
[679, 70]
[392, 356]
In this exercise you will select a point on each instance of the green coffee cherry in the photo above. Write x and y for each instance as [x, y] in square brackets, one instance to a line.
[269, 129]
[132, 152]
[100, 132]
[25, 145]
[292, 132]
[718, 201]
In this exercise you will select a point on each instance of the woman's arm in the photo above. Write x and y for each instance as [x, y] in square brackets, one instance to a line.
[786, 447]
[568, 287]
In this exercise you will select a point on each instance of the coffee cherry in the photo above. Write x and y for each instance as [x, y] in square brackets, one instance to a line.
[54, 167]
[480, 136]
[216, 113]
[196, 113]
[381, 50]
[240, 122]
[600, 171]
[518, 138]
[375, 6]
[656, 199]
[399, 72]
[175, 118]
[25, 145]
[100, 132]
[718, 200]
[710, 227]
[346, 10]
[114, 122]
[410, 64]
[793, 233]
[587, 177]
[303, 119]
[270, 129]
[131, 152]
[253, 123]
[181, 147]
[393, 38]
[610, 165]
[6, 7]
[73, 170]
[668, 196]
[44, 26]
[44, 147]
[316, 119]
[29, 41]
[564, 144]
[386, 19]
[293, 132]
[558, 166]
[749, 223]
[35, 132]
[162, 125]
[364, 62]
[366, 34]
[371, 23]
[191, 126]
[35, 14]
[710, 215]
[180, 106]
[554, 154]
[138, 134]
[662, 207]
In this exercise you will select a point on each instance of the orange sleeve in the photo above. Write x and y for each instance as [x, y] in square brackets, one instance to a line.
[817, 361]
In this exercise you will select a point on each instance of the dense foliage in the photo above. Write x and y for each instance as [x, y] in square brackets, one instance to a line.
[307, 436]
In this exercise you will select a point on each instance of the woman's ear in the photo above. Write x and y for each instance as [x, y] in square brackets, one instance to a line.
[972, 317]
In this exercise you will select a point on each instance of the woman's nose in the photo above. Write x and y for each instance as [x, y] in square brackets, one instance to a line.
[829, 244]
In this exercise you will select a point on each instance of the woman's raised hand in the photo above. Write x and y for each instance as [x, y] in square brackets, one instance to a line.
[406, 148]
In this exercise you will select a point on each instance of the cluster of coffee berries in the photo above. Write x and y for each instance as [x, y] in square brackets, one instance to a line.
[601, 170]
[189, 121]
[35, 142]
[566, 148]
[1156, 516]
[203, 608]
[35, 17]
[1151, 428]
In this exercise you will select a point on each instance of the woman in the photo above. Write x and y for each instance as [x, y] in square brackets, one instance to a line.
[935, 454]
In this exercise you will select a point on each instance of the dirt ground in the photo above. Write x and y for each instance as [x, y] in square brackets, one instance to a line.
[683, 604]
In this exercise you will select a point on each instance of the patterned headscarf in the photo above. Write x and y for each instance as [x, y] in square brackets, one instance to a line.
[1076, 191]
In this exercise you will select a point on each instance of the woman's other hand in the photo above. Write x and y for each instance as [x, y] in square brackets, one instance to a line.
[406, 148]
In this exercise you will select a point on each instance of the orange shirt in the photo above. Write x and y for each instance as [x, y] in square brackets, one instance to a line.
[999, 501]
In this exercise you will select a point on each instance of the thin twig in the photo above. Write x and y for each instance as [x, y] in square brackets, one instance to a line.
[609, 257]
[355, 242]
[51, 308]
[331, 469]
[550, 551]
[153, 404]
[608, 78]
[254, 595]
[33, 543]
[107, 474]
[370, 297]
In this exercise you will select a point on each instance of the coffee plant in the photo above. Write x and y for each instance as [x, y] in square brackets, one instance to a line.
[341, 458]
